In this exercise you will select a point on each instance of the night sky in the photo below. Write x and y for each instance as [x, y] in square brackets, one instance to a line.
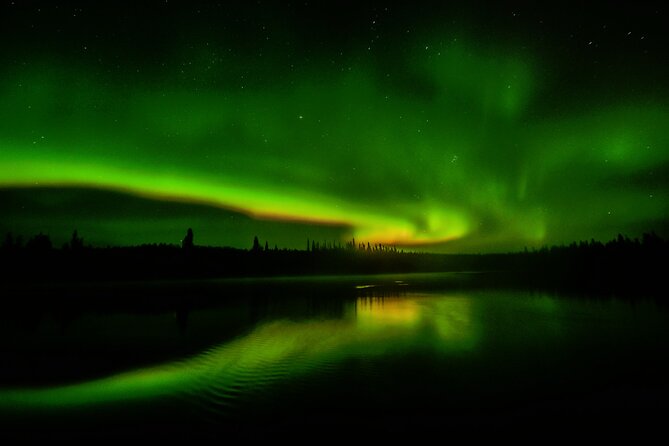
[479, 127]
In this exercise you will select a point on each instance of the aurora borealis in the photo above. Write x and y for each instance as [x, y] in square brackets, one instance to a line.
[473, 128]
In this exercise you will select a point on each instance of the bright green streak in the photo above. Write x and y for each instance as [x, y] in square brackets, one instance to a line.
[464, 156]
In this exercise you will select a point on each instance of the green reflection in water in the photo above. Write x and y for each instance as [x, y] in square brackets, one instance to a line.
[276, 351]
[445, 323]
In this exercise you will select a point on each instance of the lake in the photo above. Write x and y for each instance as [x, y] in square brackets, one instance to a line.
[372, 354]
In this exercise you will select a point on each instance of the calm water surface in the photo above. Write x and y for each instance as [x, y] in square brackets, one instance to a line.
[397, 354]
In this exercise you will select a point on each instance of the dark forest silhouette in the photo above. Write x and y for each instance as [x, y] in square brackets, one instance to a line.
[620, 265]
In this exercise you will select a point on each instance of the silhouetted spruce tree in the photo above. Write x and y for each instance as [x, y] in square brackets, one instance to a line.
[76, 242]
[256, 244]
[187, 242]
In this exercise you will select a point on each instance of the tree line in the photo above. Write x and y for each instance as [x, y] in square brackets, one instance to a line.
[622, 263]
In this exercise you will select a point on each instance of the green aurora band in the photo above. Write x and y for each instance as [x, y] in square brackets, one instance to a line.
[461, 146]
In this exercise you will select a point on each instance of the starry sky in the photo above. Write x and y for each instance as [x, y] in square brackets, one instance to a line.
[482, 127]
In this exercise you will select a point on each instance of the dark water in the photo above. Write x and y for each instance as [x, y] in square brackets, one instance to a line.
[397, 358]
